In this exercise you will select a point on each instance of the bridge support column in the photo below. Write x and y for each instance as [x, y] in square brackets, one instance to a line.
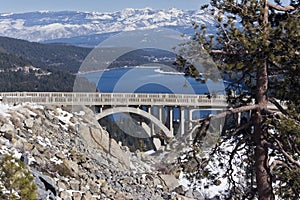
[150, 111]
[171, 119]
[182, 120]
[160, 113]
[190, 118]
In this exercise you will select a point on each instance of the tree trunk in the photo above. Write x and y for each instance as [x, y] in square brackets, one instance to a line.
[263, 175]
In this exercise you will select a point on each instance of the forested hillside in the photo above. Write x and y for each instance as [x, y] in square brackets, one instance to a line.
[46, 56]
[28, 66]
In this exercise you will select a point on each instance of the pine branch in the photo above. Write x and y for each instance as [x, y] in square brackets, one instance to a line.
[242, 127]
[204, 123]
[217, 51]
[280, 8]
[279, 66]
[236, 110]
[276, 163]
[280, 108]
[286, 155]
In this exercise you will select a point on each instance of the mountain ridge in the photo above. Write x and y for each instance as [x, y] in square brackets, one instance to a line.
[48, 25]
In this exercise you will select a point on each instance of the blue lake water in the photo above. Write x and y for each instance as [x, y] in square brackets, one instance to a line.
[149, 80]
[152, 80]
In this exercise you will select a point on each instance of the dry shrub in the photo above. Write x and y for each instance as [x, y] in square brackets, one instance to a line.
[3, 120]
[15, 119]
[37, 111]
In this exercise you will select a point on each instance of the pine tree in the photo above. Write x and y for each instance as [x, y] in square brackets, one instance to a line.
[15, 179]
[257, 45]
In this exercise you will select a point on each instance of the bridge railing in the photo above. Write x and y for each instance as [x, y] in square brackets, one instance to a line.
[117, 99]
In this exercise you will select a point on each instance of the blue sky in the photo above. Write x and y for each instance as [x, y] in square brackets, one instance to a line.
[7, 6]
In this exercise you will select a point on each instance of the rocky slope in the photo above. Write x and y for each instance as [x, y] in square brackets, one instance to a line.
[72, 157]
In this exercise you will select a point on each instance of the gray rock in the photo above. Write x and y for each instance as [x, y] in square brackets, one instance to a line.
[24, 158]
[170, 181]
[46, 189]
[198, 195]
[180, 190]
[48, 115]
[88, 196]
[189, 193]
[62, 185]
[74, 184]
[65, 195]
[60, 155]
[71, 165]
[28, 123]
[76, 195]
[9, 135]
[7, 128]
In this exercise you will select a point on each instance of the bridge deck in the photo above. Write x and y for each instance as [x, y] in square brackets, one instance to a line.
[120, 99]
[117, 99]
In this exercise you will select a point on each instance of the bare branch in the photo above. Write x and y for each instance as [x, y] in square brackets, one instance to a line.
[279, 66]
[286, 155]
[236, 110]
[242, 127]
[216, 51]
[280, 108]
[275, 163]
[280, 8]
[204, 123]
[203, 127]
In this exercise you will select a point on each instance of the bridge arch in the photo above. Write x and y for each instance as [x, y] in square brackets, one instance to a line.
[137, 111]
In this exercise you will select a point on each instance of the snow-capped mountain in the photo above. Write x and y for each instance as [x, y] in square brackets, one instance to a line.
[45, 25]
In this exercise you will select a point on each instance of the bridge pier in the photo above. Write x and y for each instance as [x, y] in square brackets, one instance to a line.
[160, 113]
[150, 111]
[190, 118]
[182, 121]
[171, 111]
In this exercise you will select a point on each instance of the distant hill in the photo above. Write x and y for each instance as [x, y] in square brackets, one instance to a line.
[46, 56]
[29, 66]
[94, 40]
[9, 61]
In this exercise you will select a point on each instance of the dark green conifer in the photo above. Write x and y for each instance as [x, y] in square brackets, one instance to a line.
[16, 180]
[258, 45]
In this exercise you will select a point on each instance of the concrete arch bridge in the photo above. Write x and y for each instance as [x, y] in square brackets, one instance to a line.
[158, 108]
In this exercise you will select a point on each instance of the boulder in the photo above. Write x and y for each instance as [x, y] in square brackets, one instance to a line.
[9, 135]
[72, 166]
[100, 139]
[88, 196]
[7, 128]
[46, 189]
[65, 195]
[76, 195]
[181, 197]
[28, 123]
[170, 181]
[74, 184]
[180, 190]
[62, 185]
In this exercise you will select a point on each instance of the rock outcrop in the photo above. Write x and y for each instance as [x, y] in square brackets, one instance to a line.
[72, 157]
